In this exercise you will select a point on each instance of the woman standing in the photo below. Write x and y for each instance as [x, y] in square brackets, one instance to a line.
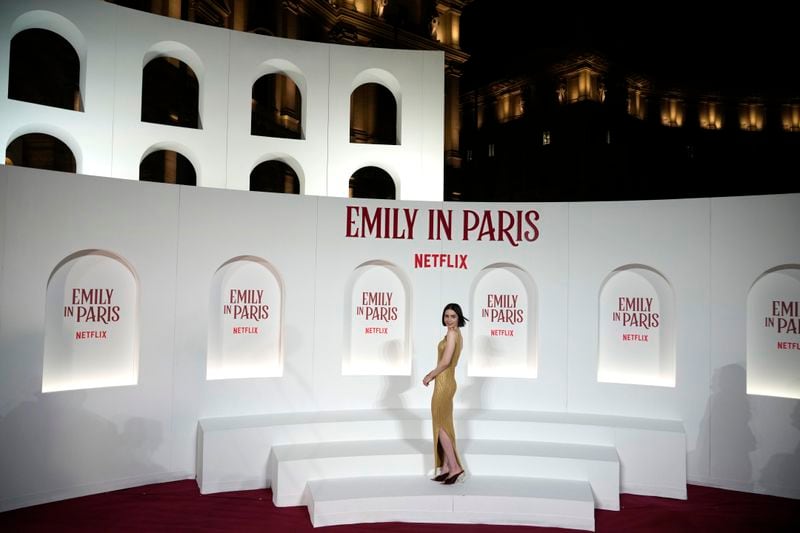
[444, 436]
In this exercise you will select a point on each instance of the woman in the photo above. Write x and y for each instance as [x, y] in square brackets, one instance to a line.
[444, 437]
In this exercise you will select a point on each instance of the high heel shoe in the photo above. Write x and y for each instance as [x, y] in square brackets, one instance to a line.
[441, 477]
[456, 478]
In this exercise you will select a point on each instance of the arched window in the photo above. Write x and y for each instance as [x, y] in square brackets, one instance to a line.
[44, 69]
[170, 93]
[277, 108]
[373, 115]
[39, 150]
[166, 166]
[274, 176]
[372, 182]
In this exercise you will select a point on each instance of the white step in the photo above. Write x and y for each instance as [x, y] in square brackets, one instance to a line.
[480, 499]
[291, 467]
[597, 464]
[233, 451]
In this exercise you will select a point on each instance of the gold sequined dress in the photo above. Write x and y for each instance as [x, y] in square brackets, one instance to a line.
[442, 401]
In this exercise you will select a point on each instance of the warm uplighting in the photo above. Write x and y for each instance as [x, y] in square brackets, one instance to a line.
[751, 116]
[363, 6]
[545, 138]
[583, 84]
[637, 103]
[509, 106]
[710, 115]
[672, 112]
[790, 117]
[455, 33]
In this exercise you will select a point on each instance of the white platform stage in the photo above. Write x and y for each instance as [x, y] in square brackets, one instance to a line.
[483, 500]
[373, 465]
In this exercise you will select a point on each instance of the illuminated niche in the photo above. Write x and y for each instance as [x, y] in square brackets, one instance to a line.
[245, 320]
[91, 335]
[672, 112]
[504, 323]
[636, 341]
[378, 297]
[773, 333]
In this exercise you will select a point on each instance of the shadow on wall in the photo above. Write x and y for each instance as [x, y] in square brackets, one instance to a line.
[783, 469]
[54, 443]
[395, 389]
[725, 429]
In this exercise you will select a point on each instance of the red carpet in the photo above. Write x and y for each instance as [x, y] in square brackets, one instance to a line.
[179, 506]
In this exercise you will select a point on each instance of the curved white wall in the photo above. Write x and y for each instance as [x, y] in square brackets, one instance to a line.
[63, 444]
[109, 138]
[710, 251]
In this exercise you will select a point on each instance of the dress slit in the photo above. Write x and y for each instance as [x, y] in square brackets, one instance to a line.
[442, 404]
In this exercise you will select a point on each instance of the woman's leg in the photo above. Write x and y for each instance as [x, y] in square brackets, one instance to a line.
[444, 468]
[450, 461]
[445, 460]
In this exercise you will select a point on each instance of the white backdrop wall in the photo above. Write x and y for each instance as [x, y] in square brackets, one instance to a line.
[753, 440]
[109, 139]
[90, 27]
[61, 444]
[673, 238]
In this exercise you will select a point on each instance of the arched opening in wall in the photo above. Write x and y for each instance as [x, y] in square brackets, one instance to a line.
[274, 176]
[44, 69]
[365, 353]
[39, 150]
[170, 93]
[276, 107]
[167, 166]
[373, 115]
[636, 328]
[504, 296]
[372, 182]
[245, 329]
[773, 329]
[91, 328]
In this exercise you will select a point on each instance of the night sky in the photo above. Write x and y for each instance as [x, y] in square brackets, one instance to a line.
[703, 46]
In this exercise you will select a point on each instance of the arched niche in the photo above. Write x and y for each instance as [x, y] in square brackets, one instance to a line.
[636, 323]
[167, 166]
[773, 333]
[274, 176]
[44, 68]
[277, 107]
[375, 108]
[377, 321]
[170, 93]
[372, 182]
[40, 19]
[504, 323]
[91, 323]
[245, 325]
[40, 150]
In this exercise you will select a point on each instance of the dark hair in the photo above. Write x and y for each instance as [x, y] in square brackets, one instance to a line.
[462, 320]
